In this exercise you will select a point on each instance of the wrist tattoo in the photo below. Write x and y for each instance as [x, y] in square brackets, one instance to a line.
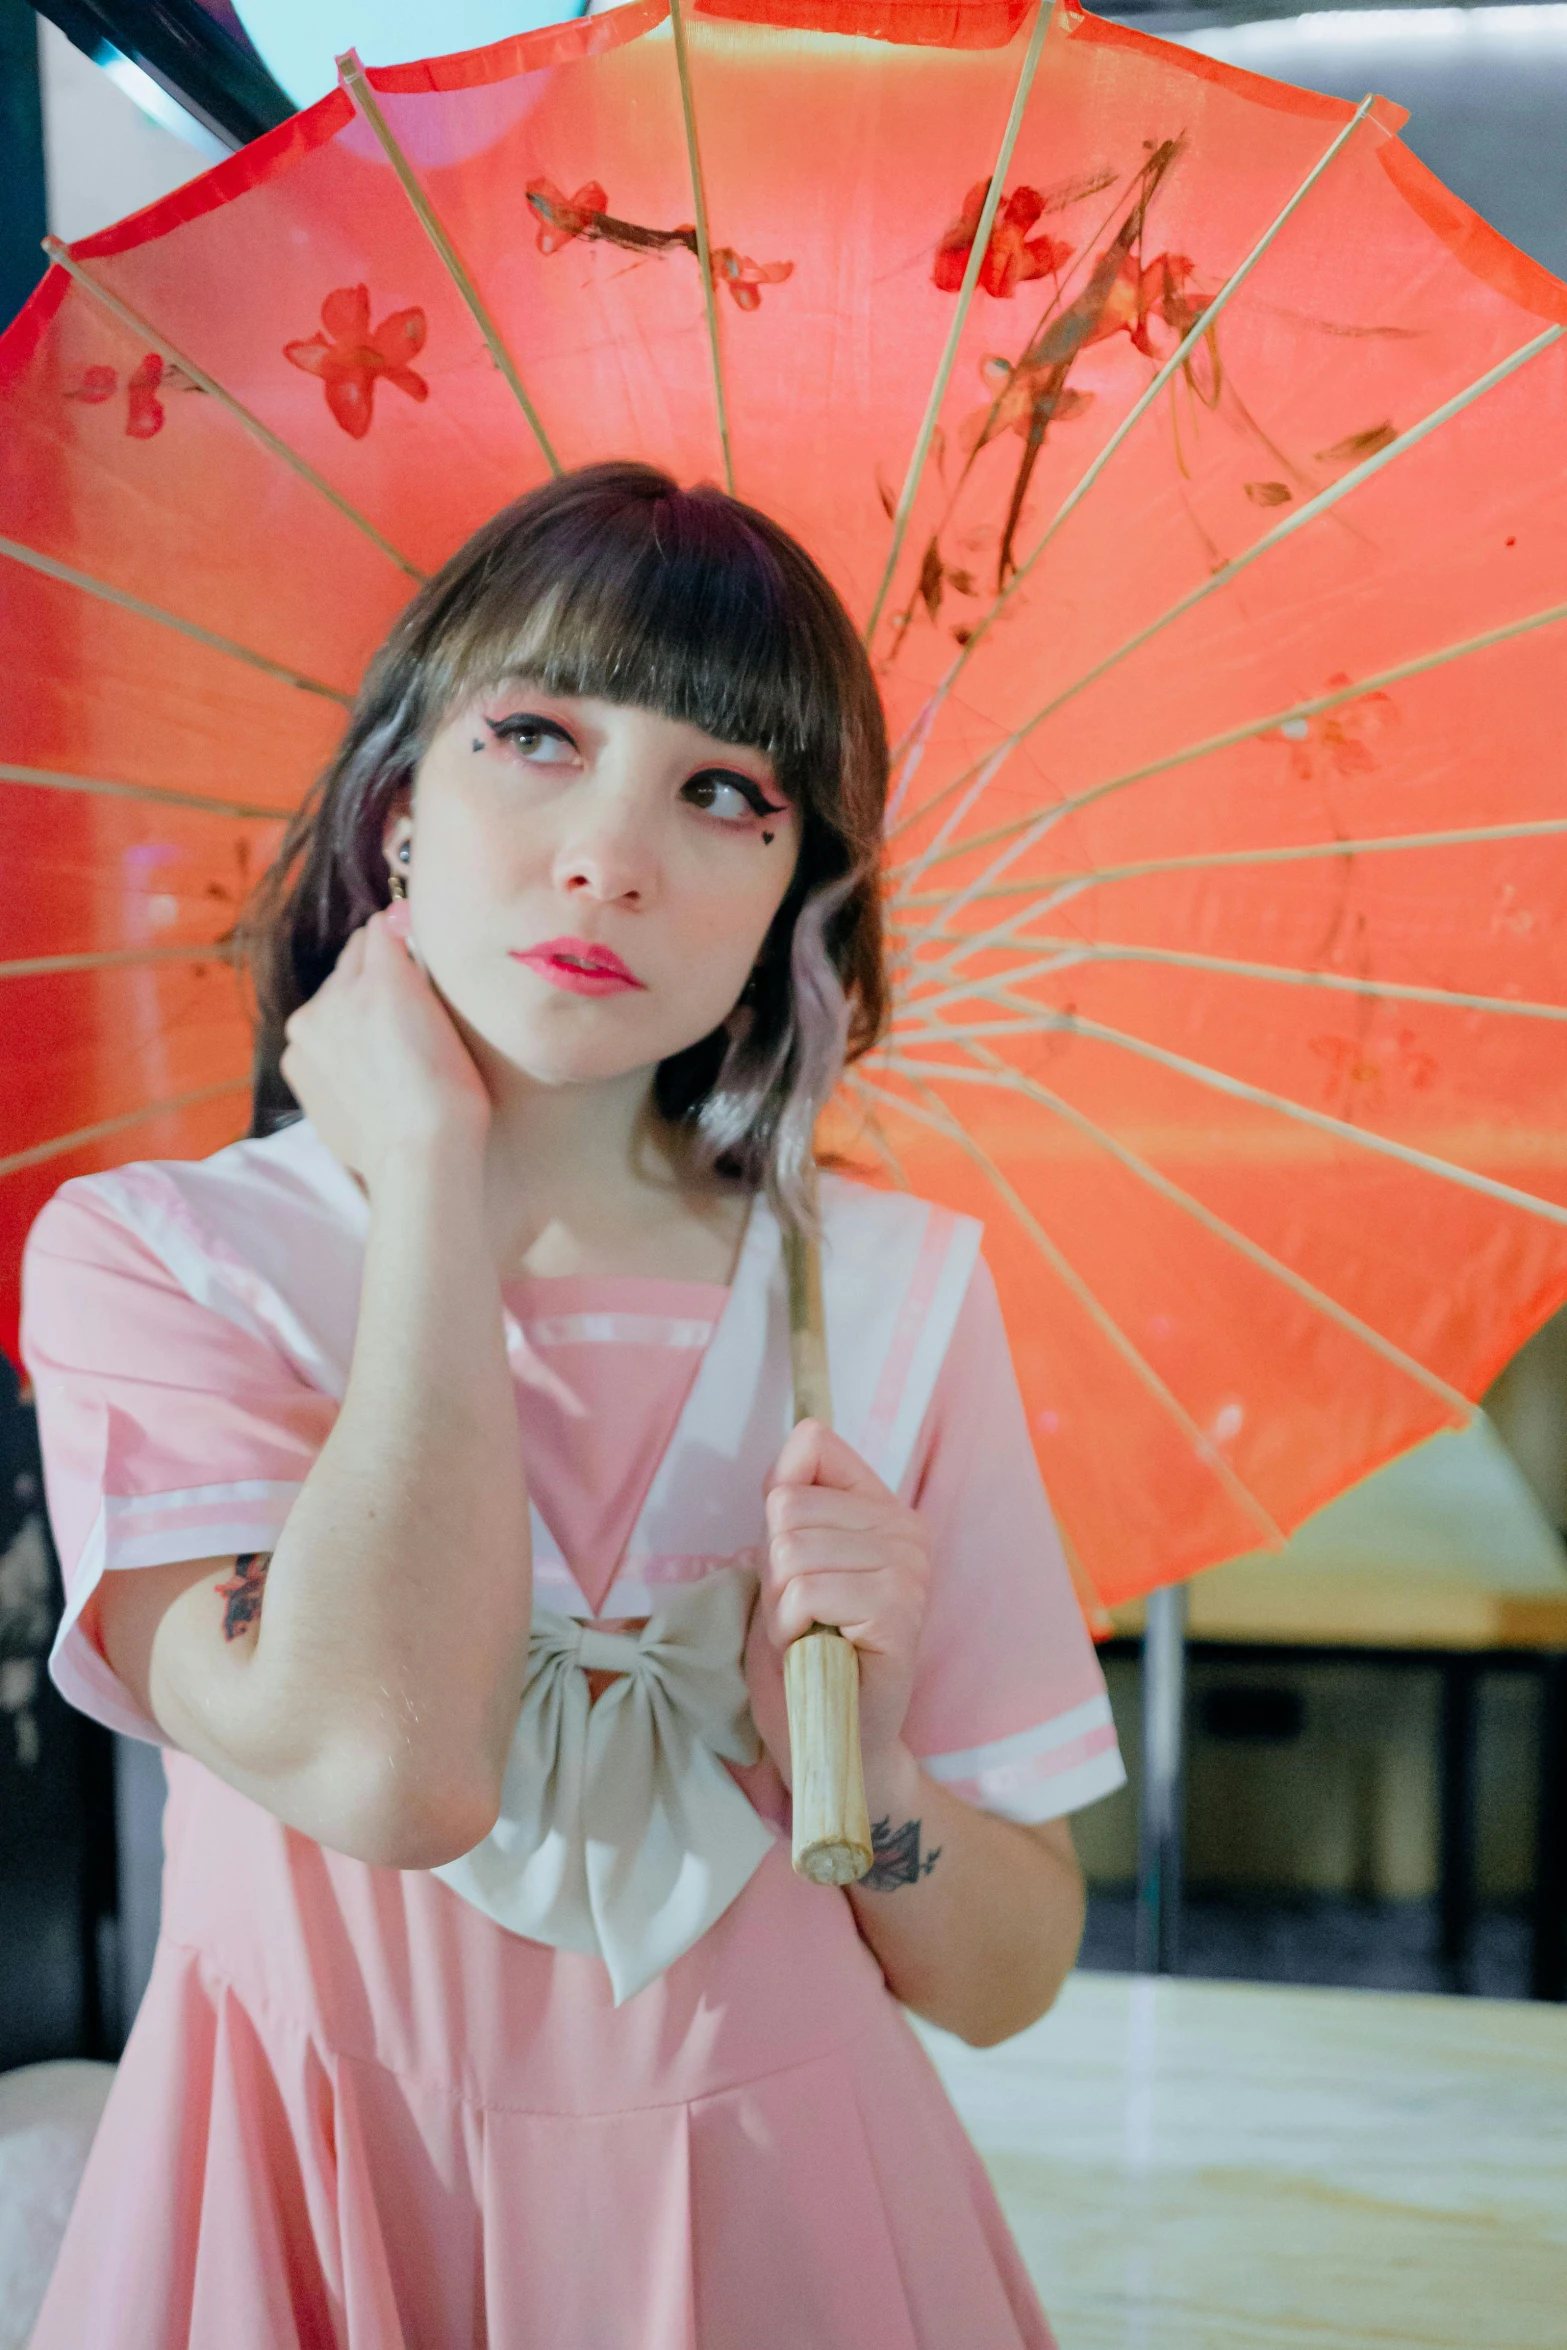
[242, 1594]
[895, 1856]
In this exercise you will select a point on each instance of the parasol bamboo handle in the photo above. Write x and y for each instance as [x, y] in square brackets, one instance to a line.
[832, 1829]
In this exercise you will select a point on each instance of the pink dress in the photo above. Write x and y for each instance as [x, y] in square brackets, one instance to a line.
[355, 2113]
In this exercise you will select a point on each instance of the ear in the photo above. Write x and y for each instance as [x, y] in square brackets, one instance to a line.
[397, 828]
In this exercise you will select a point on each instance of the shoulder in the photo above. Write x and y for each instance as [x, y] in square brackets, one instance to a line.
[888, 1253]
[244, 1186]
[290, 1165]
[266, 1233]
[858, 1216]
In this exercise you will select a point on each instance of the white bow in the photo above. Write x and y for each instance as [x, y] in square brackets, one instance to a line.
[620, 1832]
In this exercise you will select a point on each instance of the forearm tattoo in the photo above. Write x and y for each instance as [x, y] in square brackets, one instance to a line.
[895, 1856]
[242, 1594]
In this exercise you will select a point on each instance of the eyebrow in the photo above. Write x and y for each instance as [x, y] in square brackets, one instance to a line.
[528, 681]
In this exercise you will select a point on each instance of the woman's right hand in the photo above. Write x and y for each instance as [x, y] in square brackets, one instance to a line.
[374, 1058]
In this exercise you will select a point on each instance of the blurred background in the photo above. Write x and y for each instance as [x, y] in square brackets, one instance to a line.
[1371, 1776]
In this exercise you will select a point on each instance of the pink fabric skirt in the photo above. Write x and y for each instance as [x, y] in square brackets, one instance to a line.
[355, 2114]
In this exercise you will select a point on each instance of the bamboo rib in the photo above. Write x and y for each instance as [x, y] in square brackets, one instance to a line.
[353, 73]
[976, 261]
[1164, 375]
[910, 748]
[115, 958]
[1035, 827]
[69, 577]
[1322, 503]
[1218, 1081]
[48, 779]
[83, 1135]
[1073, 953]
[1066, 885]
[979, 780]
[704, 250]
[272, 442]
[936, 1114]
[1307, 1291]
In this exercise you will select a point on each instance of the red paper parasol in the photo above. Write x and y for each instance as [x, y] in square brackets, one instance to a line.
[1193, 459]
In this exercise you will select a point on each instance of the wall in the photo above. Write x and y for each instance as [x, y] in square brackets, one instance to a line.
[1348, 1806]
[1486, 90]
[103, 157]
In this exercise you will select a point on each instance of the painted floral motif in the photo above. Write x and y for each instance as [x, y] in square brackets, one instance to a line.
[1017, 393]
[1125, 293]
[563, 218]
[1348, 738]
[351, 359]
[1358, 1075]
[144, 410]
[1106, 285]
[1012, 257]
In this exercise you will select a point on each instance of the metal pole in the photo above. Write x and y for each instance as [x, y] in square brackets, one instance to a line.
[1161, 1822]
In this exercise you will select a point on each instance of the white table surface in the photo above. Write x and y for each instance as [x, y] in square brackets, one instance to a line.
[1218, 2166]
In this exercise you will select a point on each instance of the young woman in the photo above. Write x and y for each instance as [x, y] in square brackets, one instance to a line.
[423, 1472]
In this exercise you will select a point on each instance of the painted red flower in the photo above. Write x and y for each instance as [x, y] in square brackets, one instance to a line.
[1146, 291]
[144, 408]
[745, 277]
[1011, 257]
[1350, 737]
[97, 384]
[144, 412]
[1025, 400]
[1358, 1076]
[563, 217]
[349, 358]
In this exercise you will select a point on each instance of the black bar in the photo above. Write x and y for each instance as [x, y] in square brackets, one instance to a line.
[216, 77]
[57, 1845]
[23, 218]
[1548, 1953]
[1456, 1872]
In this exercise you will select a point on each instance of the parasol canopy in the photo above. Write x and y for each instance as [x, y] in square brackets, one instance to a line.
[1192, 459]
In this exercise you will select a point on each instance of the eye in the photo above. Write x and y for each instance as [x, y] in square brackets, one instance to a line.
[725, 792]
[541, 741]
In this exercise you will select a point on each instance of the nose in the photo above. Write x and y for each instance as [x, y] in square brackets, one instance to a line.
[609, 857]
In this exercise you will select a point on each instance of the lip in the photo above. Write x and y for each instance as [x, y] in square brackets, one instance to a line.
[579, 966]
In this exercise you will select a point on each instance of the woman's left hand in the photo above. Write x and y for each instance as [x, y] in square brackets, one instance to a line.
[841, 1549]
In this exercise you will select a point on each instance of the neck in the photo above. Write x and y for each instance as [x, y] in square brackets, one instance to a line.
[586, 1179]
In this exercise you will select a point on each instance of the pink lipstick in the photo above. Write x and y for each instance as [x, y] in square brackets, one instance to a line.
[579, 966]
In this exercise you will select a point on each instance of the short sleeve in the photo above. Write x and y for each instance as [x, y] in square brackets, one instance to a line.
[167, 1430]
[1009, 1708]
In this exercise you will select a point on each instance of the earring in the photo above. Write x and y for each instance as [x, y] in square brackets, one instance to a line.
[397, 886]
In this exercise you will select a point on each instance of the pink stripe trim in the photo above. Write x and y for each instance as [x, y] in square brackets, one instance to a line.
[1013, 1778]
[175, 1520]
[668, 1567]
[917, 1300]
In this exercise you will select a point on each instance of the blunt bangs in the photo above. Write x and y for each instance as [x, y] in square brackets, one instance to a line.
[672, 604]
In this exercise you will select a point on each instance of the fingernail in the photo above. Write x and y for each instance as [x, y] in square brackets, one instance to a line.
[398, 917]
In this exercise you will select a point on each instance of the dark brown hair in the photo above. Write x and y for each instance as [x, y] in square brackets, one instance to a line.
[613, 581]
